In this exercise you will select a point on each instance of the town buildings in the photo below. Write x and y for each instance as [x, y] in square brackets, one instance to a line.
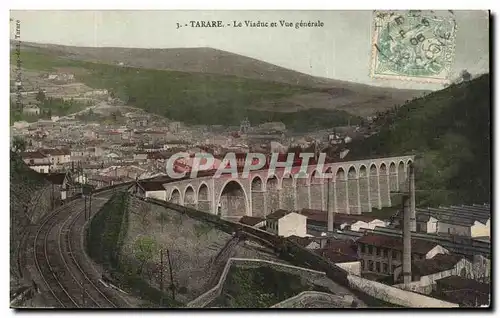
[470, 221]
[353, 222]
[32, 110]
[383, 254]
[37, 161]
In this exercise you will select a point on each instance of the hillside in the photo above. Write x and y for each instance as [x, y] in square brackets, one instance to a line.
[30, 199]
[450, 133]
[292, 91]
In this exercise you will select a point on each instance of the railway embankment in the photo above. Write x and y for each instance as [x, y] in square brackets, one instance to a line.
[30, 201]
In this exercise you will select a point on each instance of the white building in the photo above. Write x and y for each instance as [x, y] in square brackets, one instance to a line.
[152, 189]
[37, 161]
[96, 92]
[286, 223]
[360, 225]
[57, 156]
[470, 221]
[31, 110]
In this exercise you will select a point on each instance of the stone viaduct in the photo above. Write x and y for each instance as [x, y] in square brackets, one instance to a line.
[351, 187]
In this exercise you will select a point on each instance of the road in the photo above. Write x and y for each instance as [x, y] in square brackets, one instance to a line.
[63, 271]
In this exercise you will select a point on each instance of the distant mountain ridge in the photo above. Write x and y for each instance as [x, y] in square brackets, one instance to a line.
[357, 99]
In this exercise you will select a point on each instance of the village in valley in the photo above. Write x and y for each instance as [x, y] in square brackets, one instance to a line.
[385, 212]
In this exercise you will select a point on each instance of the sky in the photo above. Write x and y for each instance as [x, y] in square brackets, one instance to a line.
[341, 49]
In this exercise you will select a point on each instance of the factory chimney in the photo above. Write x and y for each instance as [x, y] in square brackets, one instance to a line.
[329, 208]
[406, 239]
[413, 222]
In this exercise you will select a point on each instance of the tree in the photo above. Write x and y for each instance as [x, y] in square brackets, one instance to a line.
[18, 144]
[465, 75]
[40, 96]
[144, 249]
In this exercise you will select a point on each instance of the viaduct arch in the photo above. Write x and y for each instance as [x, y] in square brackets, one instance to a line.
[349, 187]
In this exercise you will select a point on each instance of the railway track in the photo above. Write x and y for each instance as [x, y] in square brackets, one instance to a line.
[58, 258]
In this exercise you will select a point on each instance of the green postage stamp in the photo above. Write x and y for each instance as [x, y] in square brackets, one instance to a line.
[413, 45]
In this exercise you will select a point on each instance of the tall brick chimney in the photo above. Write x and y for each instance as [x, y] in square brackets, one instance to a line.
[329, 206]
[413, 221]
[406, 239]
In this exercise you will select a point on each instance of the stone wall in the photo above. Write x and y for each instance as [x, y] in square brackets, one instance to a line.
[302, 197]
[214, 292]
[258, 204]
[316, 196]
[192, 246]
[314, 299]
[395, 295]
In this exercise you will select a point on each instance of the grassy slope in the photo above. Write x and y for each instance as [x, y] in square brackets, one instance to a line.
[195, 98]
[104, 243]
[25, 185]
[449, 131]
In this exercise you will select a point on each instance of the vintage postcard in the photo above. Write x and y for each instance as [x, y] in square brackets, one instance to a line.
[250, 159]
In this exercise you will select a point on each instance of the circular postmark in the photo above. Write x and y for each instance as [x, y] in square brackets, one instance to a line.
[413, 44]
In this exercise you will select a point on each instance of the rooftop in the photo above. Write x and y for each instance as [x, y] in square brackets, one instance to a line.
[277, 214]
[33, 155]
[396, 243]
[322, 216]
[437, 264]
[56, 152]
[251, 220]
[152, 186]
[341, 246]
[55, 178]
[460, 283]
[457, 215]
[302, 241]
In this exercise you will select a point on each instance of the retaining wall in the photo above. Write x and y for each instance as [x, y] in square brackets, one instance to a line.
[395, 295]
[308, 299]
[215, 292]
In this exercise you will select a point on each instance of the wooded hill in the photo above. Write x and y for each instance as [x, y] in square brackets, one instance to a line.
[449, 132]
